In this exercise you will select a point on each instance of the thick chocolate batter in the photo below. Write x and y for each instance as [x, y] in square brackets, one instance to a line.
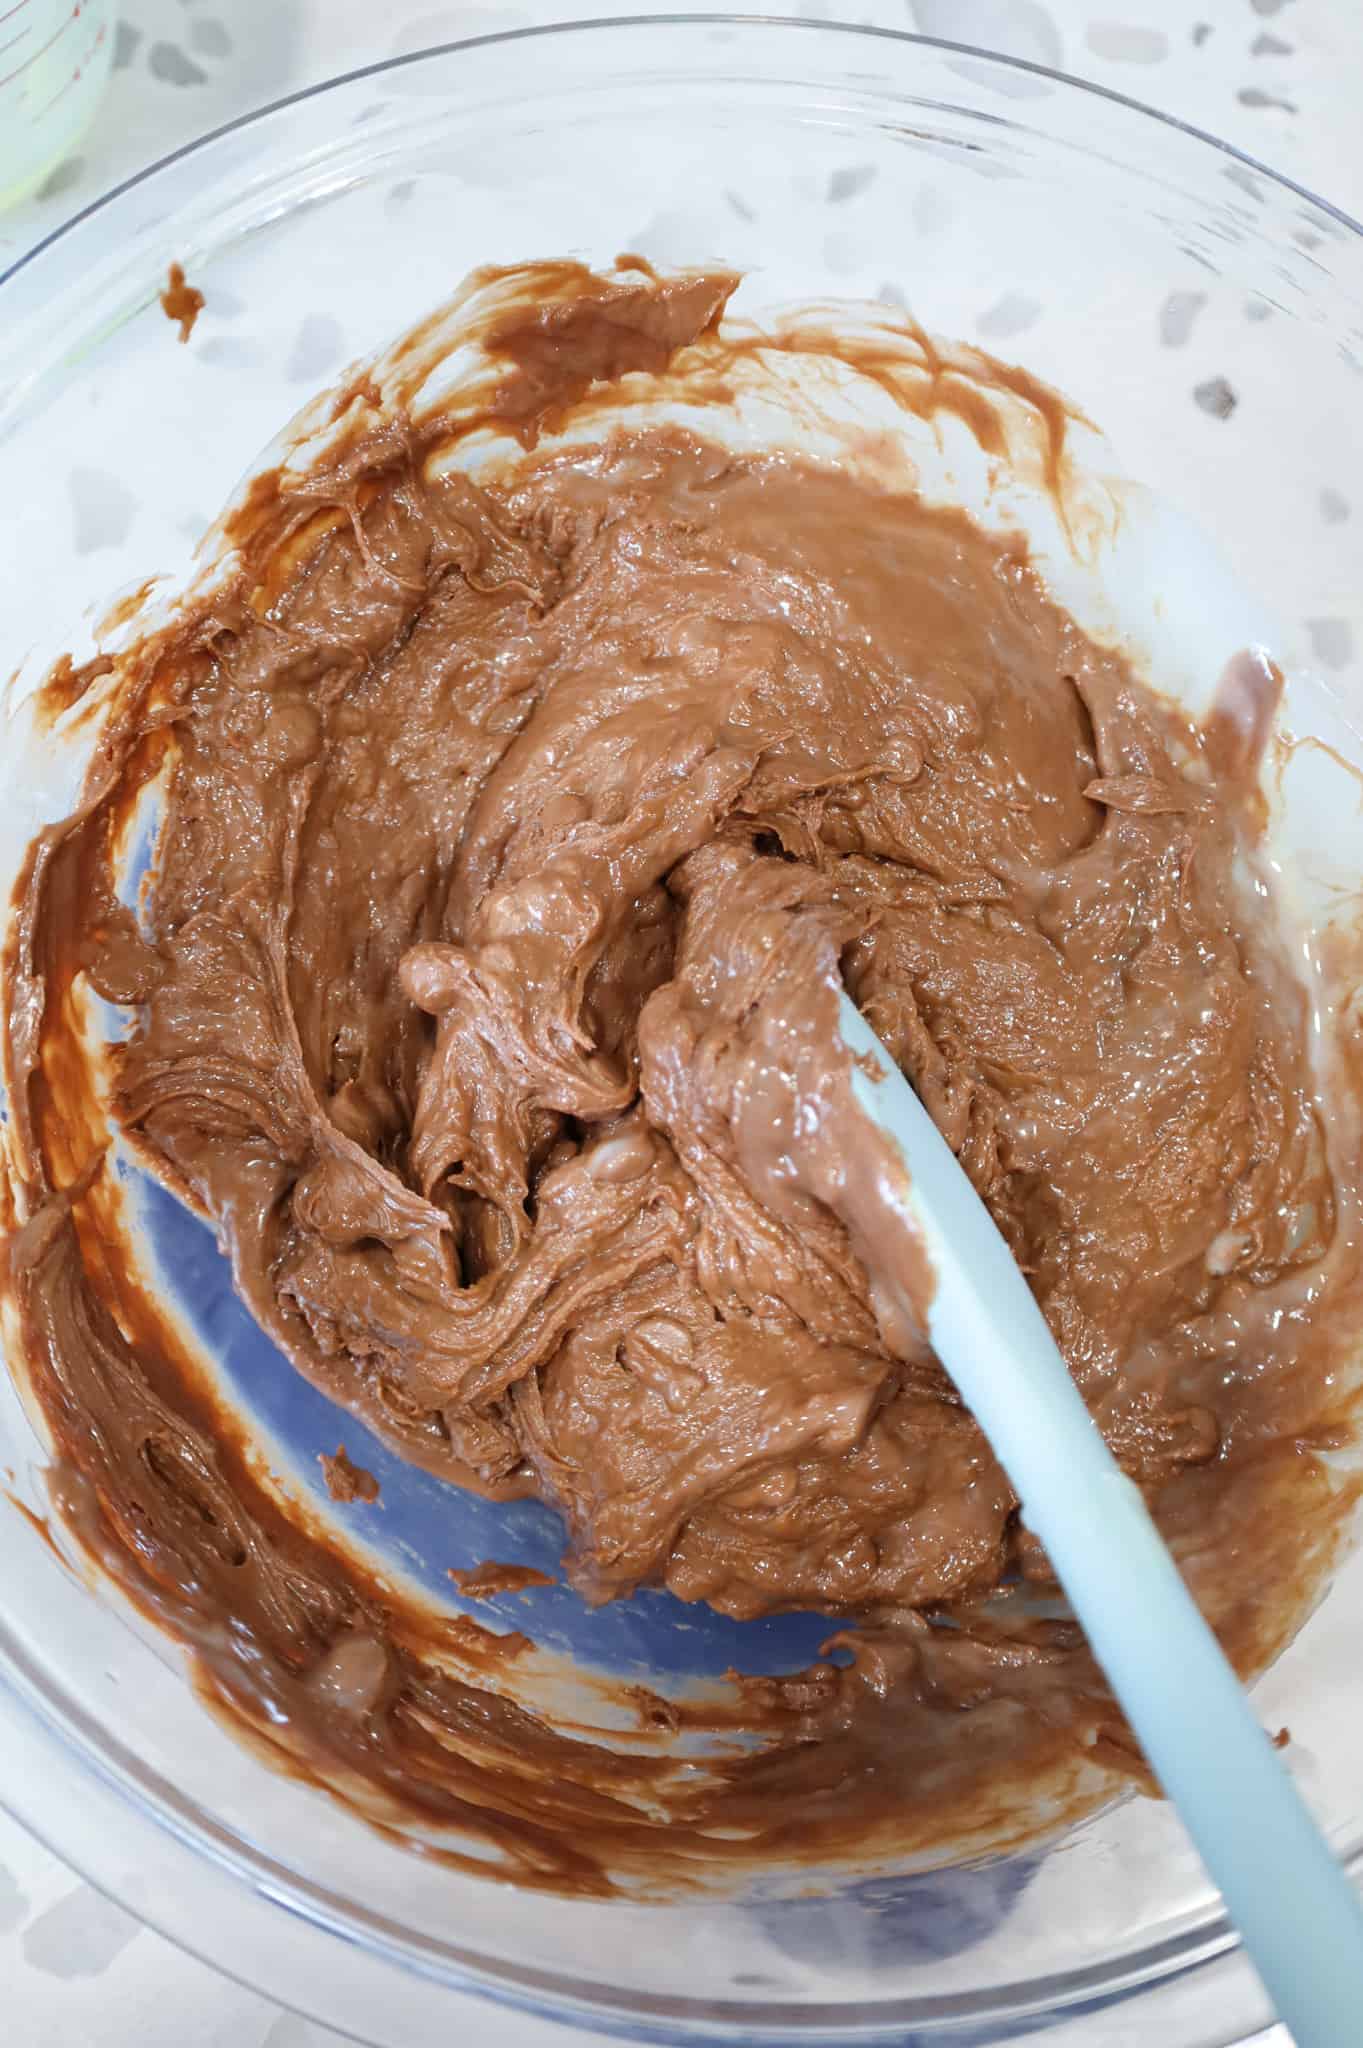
[511, 828]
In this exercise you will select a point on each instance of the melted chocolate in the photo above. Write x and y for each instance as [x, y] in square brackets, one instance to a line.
[181, 302]
[347, 1481]
[518, 835]
[486, 1580]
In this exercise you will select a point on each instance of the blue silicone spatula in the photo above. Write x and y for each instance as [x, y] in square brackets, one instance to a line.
[1301, 1919]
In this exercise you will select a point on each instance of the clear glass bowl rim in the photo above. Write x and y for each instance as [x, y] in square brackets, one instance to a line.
[681, 19]
[666, 2019]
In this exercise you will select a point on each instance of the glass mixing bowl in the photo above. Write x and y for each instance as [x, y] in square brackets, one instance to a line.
[1210, 317]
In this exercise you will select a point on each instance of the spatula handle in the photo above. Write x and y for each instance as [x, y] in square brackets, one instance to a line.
[1301, 1918]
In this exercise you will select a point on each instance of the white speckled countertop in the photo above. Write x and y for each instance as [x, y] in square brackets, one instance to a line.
[1280, 78]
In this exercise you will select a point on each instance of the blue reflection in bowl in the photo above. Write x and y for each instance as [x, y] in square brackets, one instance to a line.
[423, 1525]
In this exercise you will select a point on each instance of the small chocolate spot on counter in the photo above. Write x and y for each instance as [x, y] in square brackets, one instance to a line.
[181, 301]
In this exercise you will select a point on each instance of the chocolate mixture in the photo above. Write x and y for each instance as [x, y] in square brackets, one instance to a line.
[181, 301]
[516, 834]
